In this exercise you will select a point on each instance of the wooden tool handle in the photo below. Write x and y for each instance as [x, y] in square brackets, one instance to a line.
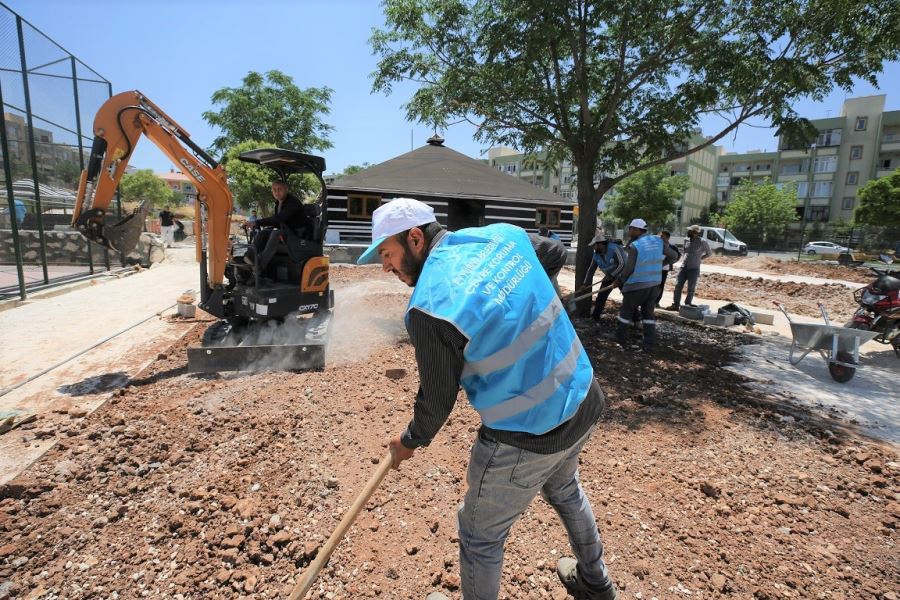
[312, 571]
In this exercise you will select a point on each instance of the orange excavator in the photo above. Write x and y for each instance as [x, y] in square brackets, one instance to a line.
[271, 318]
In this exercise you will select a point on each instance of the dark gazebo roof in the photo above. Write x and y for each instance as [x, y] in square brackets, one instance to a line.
[435, 170]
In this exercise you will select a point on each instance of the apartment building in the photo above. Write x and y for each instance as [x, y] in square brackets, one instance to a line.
[181, 183]
[561, 178]
[861, 144]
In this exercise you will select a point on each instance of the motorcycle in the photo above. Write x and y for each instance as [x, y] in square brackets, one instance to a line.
[879, 307]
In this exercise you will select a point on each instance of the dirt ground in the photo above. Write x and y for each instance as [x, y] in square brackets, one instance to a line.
[798, 298]
[190, 486]
[774, 266]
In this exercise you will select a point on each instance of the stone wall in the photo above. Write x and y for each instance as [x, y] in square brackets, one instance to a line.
[71, 248]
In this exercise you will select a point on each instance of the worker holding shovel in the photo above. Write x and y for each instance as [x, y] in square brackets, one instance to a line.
[609, 257]
[484, 316]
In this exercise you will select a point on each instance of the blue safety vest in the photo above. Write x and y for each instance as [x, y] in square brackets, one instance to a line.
[605, 261]
[648, 266]
[525, 369]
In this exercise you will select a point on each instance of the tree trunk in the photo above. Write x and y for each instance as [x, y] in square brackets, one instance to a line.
[587, 226]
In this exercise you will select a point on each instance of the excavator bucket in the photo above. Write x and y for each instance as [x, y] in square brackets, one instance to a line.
[259, 347]
[123, 236]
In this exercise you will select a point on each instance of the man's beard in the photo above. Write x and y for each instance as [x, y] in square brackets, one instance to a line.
[411, 266]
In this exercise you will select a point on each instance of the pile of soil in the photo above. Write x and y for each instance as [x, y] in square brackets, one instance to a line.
[798, 298]
[202, 486]
[774, 266]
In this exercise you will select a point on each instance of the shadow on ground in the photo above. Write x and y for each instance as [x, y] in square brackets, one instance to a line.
[97, 384]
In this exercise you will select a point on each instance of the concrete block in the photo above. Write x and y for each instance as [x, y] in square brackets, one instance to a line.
[719, 320]
[764, 318]
[695, 313]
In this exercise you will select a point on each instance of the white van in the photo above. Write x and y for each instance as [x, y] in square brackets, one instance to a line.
[721, 241]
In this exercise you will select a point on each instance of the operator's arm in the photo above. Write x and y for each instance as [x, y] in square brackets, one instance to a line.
[439, 356]
[619, 259]
[706, 250]
[291, 215]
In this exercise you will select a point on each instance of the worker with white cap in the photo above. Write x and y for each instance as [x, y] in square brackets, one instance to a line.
[696, 249]
[485, 316]
[609, 257]
[640, 281]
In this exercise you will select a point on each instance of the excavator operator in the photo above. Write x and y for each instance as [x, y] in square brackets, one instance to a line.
[289, 221]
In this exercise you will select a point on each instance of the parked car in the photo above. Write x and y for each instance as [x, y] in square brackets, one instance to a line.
[721, 241]
[814, 248]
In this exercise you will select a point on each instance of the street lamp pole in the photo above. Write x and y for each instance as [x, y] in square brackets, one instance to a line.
[810, 181]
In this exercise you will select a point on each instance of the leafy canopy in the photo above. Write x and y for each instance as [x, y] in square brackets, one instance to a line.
[143, 184]
[761, 209]
[651, 194]
[271, 107]
[879, 201]
[251, 185]
[619, 88]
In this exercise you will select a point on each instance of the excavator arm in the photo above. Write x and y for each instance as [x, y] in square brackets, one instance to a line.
[119, 124]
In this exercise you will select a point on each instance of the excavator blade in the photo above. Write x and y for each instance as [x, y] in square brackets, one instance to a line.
[262, 347]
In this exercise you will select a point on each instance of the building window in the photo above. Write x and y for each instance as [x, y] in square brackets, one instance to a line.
[548, 217]
[362, 207]
[793, 168]
[852, 177]
[861, 123]
[802, 189]
[886, 163]
[856, 152]
[817, 213]
[849, 203]
[826, 164]
[822, 189]
[829, 137]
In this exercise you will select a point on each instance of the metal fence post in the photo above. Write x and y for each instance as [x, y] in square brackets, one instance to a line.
[11, 200]
[90, 250]
[33, 150]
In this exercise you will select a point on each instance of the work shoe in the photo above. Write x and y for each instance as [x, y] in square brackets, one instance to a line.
[436, 596]
[567, 570]
[672, 307]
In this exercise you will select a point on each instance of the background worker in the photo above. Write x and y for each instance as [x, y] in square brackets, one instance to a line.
[639, 281]
[288, 215]
[695, 250]
[167, 226]
[609, 257]
[484, 315]
[667, 265]
[546, 232]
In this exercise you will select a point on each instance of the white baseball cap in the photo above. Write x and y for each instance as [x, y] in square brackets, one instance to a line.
[392, 218]
[639, 223]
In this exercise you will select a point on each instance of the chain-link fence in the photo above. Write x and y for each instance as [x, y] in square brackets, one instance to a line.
[49, 98]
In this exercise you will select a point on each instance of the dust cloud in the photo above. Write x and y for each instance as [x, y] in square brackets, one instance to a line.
[366, 316]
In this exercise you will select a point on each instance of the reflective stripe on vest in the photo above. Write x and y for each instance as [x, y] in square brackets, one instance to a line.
[525, 369]
[648, 266]
[605, 261]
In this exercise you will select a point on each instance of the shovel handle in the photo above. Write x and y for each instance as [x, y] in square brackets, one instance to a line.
[312, 571]
[588, 295]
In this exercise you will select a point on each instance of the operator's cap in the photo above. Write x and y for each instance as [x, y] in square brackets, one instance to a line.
[694, 228]
[600, 237]
[392, 218]
[638, 223]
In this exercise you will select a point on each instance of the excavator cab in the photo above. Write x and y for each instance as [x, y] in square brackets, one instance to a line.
[292, 291]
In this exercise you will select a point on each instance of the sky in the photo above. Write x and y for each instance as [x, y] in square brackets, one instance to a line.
[179, 52]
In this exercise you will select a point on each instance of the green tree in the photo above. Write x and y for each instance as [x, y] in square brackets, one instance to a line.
[761, 210]
[271, 107]
[251, 185]
[68, 172]
[350, 170]
[621, 89]
[142, 185]
[879, 201]
[651, 194]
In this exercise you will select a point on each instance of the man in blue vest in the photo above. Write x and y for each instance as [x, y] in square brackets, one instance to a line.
[609, 257]
[484, 316]
[640, 281]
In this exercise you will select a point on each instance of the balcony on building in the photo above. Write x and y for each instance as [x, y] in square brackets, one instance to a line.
[890, 140]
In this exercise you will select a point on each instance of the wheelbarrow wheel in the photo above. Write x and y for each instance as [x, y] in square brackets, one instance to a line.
[840, 373]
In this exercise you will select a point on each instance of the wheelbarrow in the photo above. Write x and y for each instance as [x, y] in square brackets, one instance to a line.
[839, 346]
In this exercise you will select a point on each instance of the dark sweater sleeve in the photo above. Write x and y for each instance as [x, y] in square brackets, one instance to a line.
[589, 276]
[630, 262]
[291, 213]
[439, 356]
[551, 253]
